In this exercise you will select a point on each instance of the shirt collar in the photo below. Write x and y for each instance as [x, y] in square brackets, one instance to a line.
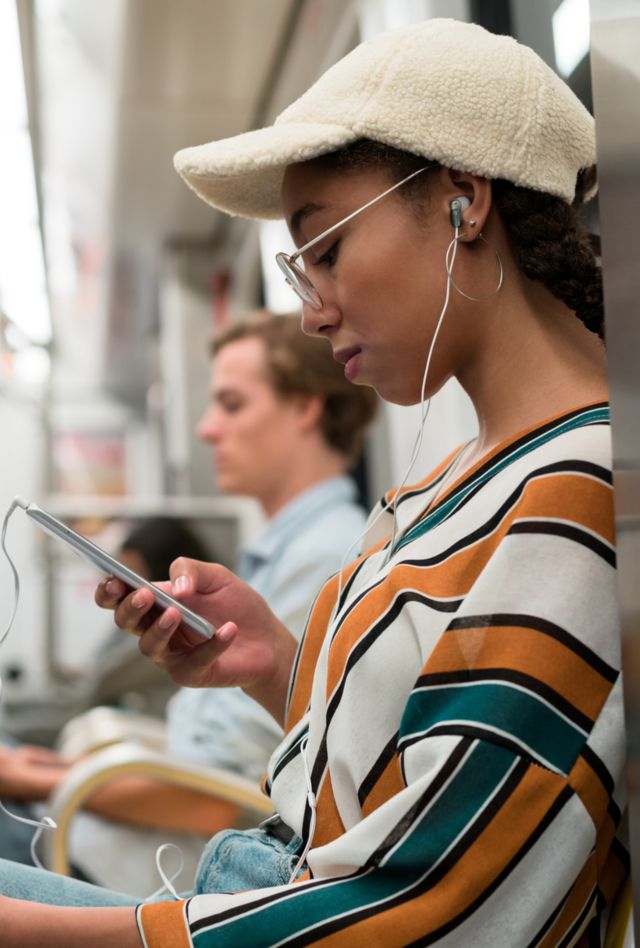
[304, 507]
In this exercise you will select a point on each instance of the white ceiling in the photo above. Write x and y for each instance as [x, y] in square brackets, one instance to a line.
[117, 88]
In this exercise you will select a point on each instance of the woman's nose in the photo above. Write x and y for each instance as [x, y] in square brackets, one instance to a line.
[319, 322]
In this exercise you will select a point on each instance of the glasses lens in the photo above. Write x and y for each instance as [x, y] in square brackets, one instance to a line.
[299, 281]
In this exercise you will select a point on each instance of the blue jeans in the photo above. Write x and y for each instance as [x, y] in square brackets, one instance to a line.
[232, 861]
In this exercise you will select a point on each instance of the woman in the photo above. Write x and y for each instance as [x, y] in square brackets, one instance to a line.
[453, 720]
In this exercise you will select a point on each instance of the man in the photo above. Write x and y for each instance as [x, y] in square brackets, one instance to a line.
[285, 426]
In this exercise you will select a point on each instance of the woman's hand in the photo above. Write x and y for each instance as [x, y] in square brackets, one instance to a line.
[251, 647]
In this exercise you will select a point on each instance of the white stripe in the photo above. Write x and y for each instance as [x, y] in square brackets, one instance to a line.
[492, 730]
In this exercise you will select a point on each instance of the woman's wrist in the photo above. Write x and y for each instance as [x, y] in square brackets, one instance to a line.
[271, 692]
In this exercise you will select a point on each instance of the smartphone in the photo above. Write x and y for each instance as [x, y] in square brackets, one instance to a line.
[111, 567]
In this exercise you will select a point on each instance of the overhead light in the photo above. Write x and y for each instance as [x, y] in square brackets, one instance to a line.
[571, 34]
[23, 292]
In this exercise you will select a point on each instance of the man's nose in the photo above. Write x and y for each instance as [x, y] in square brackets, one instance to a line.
[207, 428]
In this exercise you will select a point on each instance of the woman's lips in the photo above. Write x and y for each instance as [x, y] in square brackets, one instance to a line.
[350, 358]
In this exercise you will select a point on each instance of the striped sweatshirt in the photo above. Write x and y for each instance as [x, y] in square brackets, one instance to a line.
[456, 702]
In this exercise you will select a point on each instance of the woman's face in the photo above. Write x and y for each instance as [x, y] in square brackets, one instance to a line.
[381, 277]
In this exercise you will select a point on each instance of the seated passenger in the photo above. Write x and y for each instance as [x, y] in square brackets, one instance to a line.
[118, 675]
[451, 770]
[285, 426]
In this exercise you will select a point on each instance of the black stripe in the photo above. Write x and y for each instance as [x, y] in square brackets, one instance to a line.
[377, 770]
[568, 532]
[528, 682]
[563, 797]
[490, 525]
[579, 923]
[411, 493]
[452, 763]
[361, 648]
[596, 764]
[598, 767]
[570, 466]
[514, 446]
[288, 756]
[217, 917]
[483, 819]
[480, 733]
[348, 585]
[621, 853]
[538, 937]
[500, 619]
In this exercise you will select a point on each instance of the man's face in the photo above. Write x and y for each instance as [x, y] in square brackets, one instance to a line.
[253, 430]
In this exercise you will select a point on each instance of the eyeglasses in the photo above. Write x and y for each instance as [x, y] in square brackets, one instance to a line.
[293, 272]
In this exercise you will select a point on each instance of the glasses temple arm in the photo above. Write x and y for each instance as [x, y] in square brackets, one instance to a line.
[345, 220]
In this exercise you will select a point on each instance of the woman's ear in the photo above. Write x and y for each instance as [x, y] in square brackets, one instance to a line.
[477, 191]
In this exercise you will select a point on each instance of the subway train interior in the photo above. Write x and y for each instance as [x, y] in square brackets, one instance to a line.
[115, 278]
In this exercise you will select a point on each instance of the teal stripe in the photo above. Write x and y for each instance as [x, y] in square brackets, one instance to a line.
[467, 793]
[592, 416]
[519, 714]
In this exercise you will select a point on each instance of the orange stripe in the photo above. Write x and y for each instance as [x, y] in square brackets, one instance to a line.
[578, 897]
[474, 872]
[451, 579]
[329, 823]
[164, 925]
[524, 650]
[590, 790]
[314, 637]
[581, 500]
[387, 786]
[310, 650]
[612, 876]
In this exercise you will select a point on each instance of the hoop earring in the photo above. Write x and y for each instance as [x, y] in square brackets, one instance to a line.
[449, 266]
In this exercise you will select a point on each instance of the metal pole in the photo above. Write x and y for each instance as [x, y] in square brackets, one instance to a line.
[615, 63]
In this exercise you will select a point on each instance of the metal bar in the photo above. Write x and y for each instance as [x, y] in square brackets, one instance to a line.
[615, 41]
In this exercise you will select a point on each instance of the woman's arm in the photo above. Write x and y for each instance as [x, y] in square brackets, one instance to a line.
[251, 649]
[31, 925]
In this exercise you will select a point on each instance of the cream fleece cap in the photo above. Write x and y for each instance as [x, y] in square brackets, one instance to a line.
[444, 89]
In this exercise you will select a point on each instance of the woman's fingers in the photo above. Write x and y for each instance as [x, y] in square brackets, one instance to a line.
[109, 592]
[188, 662]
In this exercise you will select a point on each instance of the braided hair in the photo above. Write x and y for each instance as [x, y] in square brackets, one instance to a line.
[551, 245]
[547, 237]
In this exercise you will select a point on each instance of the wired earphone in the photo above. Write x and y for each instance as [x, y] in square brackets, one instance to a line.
[456, 208]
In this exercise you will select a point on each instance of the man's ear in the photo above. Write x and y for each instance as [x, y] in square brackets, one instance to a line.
[310, 409]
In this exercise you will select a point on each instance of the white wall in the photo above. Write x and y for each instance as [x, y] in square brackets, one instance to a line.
[21, 473]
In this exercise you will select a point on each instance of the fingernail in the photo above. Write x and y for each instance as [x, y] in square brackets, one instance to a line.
[165, 621]
[225, 632]
[138, 601]
[112, 587]
[181, 584]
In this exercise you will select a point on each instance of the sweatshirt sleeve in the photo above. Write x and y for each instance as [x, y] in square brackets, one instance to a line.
[494, 818]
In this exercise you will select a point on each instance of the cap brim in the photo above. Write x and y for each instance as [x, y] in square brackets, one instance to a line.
[243, 175]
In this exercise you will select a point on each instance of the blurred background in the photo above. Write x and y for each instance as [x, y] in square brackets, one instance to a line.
[113, 275]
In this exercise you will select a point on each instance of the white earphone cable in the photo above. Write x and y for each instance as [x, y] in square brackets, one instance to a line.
[46, 822]
[450, 256]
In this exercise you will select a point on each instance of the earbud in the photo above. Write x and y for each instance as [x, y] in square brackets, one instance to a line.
[457, 206]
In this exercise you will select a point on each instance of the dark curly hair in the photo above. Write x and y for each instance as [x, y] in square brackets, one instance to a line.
[547, 237]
